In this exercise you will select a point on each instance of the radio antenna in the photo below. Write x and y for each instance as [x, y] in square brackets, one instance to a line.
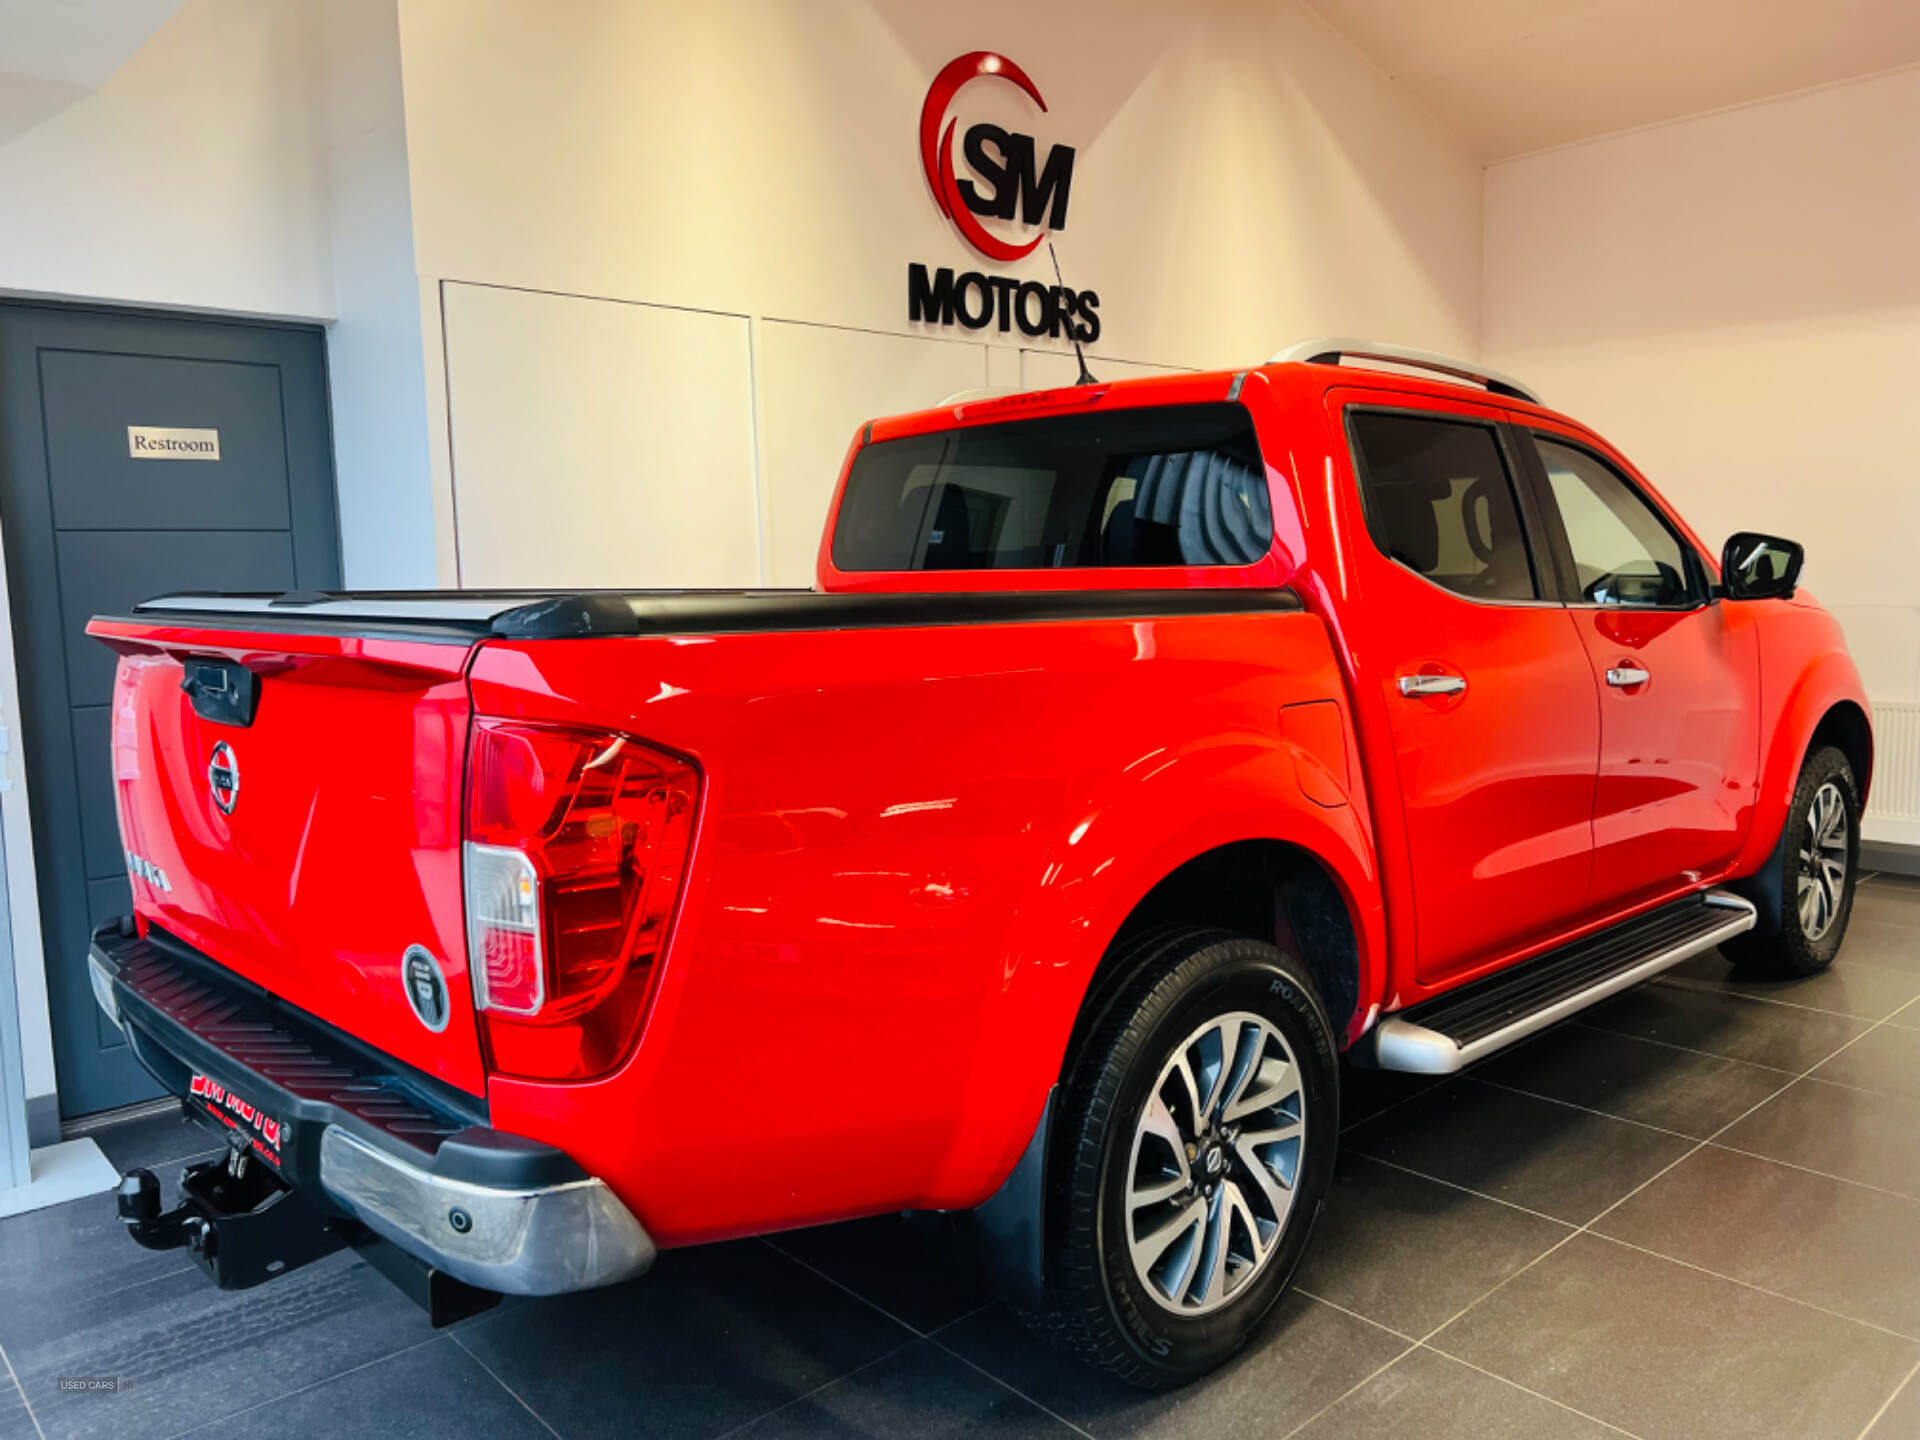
[1086, 376]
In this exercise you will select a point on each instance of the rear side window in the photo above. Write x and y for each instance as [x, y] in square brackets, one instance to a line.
[1159, 485]
[1439, 500]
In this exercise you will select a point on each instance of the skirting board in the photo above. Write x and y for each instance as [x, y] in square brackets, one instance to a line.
[1890, 859]
[61, 1172]
[43, 1120]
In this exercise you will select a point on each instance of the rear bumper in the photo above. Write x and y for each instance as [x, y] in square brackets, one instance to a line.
[363, 1137]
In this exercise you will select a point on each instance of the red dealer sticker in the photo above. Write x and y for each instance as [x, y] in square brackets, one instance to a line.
[260, 1128]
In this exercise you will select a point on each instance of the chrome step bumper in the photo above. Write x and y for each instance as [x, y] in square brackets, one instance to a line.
[1451, 1032]
[358, 1134]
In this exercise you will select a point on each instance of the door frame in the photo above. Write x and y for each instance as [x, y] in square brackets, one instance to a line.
[33, 1010]
[27, 930]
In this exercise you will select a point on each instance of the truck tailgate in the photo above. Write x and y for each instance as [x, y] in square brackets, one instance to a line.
[313, 846]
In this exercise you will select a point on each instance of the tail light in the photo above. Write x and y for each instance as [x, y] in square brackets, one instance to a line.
[576, 844]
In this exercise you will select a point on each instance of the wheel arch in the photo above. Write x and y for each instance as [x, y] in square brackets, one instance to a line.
[1845, 726]
[1270, 889]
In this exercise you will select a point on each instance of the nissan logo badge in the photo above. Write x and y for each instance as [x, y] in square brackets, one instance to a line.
[223, 777]
[426, 987]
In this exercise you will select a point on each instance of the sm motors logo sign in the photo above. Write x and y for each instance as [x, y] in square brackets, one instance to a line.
[1000, 176]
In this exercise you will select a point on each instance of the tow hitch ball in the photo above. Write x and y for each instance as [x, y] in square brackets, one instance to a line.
[238, 1221]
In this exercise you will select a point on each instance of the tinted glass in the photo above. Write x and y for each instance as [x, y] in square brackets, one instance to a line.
[1164, 485]
[1439, 500]
[1623, 552]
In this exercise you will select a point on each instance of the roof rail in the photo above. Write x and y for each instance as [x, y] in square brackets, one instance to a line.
[1332, 352]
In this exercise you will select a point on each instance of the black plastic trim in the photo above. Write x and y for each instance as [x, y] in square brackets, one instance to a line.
[533, 615]
[1011, 1223]
[709, 612]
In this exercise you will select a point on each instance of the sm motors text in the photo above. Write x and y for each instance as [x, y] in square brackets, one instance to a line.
[976, 301]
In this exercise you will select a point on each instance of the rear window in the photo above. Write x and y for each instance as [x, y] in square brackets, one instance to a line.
[1158, 485]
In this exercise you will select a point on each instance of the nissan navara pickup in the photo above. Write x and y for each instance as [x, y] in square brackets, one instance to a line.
[1146, 757]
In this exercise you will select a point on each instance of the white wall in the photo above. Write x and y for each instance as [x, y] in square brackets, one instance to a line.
[1243, 177]
[1734, 300]
[375, 347]
[191, 178]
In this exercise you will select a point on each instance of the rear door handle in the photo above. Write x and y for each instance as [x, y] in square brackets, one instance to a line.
[1621, 675]
[1416, 686]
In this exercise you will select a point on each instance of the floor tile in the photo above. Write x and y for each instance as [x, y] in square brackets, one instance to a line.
[923, 1391]
[1434, 1397]
[1866, 992]
[437, 1390]
[1855, 1134]
[1364, 1093]
[1567, 1163]
[1901, 1419]
[1892, 897]
[1635, 1079]
[196, 1354]
[1410, 1253]
[1739, 1029]
[1888, 944]
[1886, 1059]
[15, 1422]
[1304, 1358]
[922, 1269]
[1843, 1247]
[1666, 1351]
[158, 1142]
[711, 1338]
[71, 1254]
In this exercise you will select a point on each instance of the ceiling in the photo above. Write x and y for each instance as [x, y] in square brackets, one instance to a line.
[1513, 76]
[54, 52]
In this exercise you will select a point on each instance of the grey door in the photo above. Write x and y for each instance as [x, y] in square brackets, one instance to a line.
[92, 528]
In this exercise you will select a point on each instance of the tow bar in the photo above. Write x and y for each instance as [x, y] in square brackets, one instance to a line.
[238, 1221]
[244, 1225]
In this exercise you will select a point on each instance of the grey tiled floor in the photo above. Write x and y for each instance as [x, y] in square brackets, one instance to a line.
[1693, 1213]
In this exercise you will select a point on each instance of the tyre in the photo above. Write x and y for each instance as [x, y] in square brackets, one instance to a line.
[1193, 1146]
[1820, 860]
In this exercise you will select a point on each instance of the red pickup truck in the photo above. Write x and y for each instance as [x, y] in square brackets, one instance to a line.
[1143, 750]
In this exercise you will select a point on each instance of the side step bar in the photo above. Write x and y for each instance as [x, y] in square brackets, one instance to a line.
[1468, 1024]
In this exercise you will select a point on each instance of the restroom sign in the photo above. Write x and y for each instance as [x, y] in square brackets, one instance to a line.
[162, 442]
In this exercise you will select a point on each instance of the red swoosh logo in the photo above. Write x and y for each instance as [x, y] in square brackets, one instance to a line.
[936, 148]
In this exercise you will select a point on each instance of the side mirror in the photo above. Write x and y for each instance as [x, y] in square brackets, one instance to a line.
[1760, 567]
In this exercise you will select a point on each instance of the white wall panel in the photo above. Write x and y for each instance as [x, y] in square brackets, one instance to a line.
[817, 384]
[600, 443]
[1243, 176]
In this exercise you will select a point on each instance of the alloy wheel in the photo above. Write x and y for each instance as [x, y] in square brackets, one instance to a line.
[1215, 1159]
[1823, 863]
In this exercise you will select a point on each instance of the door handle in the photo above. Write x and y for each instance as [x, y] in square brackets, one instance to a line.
[1621, 675]
[1415, 687]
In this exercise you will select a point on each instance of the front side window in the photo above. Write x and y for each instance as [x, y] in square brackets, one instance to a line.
[1438, 500]
[1623, 552]
[1158, 485]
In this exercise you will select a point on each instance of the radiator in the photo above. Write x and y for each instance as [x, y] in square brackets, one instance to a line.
[1895, 795]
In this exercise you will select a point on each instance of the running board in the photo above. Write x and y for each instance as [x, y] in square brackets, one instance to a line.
[1468, 1024]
